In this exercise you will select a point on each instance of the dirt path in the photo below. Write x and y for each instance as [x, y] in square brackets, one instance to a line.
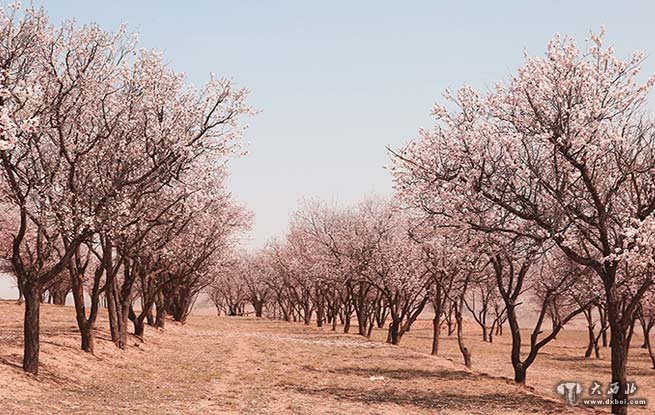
[244, 366]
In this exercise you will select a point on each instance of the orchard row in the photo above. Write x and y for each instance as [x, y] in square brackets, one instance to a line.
[112, 177]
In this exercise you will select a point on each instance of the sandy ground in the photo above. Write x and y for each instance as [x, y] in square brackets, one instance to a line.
[561, 360]
[218, 365]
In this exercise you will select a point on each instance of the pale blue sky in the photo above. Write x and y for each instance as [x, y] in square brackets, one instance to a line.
[337, 81]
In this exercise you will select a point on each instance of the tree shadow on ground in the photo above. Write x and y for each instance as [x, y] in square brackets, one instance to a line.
[14, 336]
[440, 400]
[405, 374]
[592, 363]
[46, 373]
[632, 371]
[12, 360]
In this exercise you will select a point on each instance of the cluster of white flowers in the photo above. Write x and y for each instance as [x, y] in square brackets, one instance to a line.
[8, 130]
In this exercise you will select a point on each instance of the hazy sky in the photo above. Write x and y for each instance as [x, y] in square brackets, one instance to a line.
[337, 81]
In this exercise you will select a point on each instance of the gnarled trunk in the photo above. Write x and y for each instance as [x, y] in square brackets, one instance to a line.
[31, 323]
[139, 321]
[619, 352]
[592, 343]
[466, 353]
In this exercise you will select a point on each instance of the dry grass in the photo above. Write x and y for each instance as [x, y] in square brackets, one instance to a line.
[563, 359]
[250, 366]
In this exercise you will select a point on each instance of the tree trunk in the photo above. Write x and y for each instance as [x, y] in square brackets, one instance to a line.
[59, 296]
[602, 313]
[466, 353]
[590, 332]
[361, 321]
[381, 316]
[160, 315]
[436, 331]
[393, 335]
[259, 308]
[150, 318]
[88, 337]
[437, 305]
[646, 327]
[619, 368]
[122, 324]
[180, 309]
[19, 301]
[449, 321]
[85, 324]
[651, 353]
[590, 346]
[619, 344]
[139, 328]
[31, 329]
[307, 315]
[320, 312]
[112, 310]
[519, 369]
[520, 373]
[139, 321]
[160, 318]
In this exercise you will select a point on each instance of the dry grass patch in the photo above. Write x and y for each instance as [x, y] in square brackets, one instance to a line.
[243, 366]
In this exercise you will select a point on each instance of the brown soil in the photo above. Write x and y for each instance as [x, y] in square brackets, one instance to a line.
[253, 366]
